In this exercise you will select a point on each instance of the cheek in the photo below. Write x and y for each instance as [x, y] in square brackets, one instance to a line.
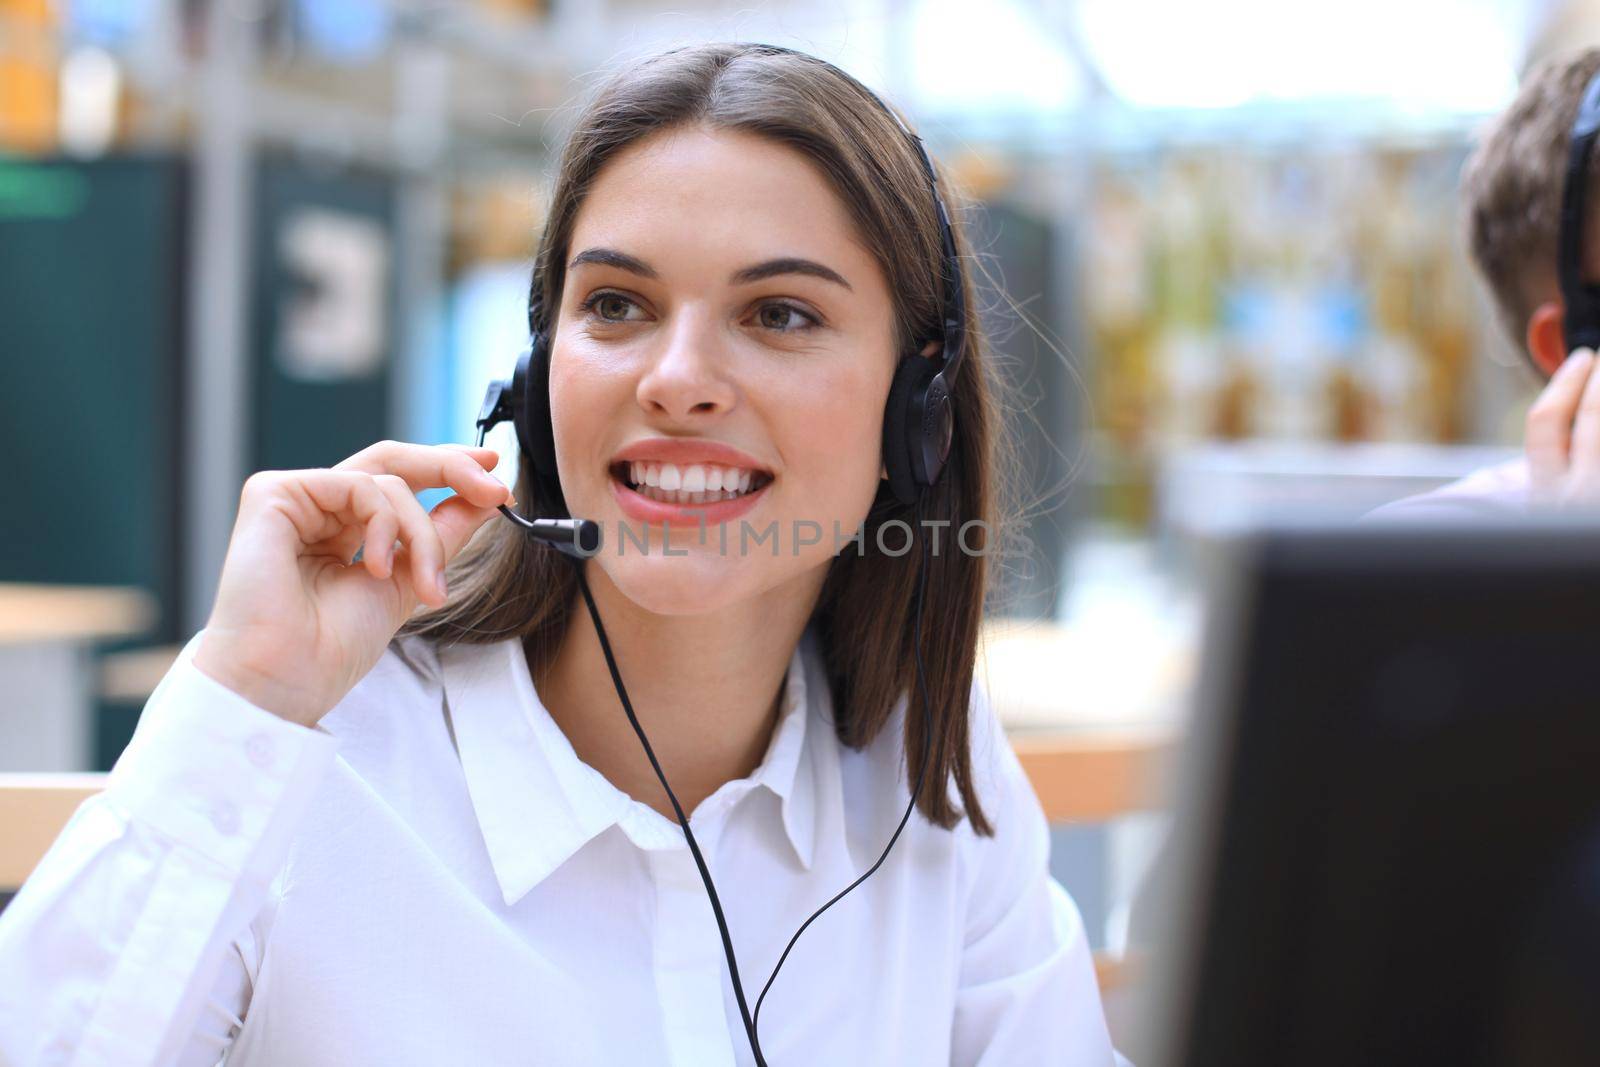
[583, 403]
[835, 454]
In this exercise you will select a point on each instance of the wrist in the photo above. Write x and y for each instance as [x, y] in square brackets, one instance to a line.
[227, 665]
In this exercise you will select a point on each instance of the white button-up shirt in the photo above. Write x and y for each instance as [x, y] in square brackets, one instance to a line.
[432, 876]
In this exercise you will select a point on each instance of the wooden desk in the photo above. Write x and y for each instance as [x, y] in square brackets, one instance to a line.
[30, 614]
[1096, 778]
[33, 809]
[1092, 714]
[46, 686]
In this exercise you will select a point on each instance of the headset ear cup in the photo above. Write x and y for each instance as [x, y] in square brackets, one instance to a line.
[902, 425]
[535, 433]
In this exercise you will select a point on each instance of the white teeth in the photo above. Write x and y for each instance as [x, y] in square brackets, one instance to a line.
[696, 483]
[678, 496]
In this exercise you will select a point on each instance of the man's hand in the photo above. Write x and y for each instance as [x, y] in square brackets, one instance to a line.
[1562, 438]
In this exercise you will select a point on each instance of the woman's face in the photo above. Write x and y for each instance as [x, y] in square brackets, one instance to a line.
[720, 325]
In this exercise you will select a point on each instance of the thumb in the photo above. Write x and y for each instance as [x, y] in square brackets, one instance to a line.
[457, 519]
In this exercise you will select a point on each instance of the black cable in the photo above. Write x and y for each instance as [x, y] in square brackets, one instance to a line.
[694, 847]
[927, 753]
[751, 1022]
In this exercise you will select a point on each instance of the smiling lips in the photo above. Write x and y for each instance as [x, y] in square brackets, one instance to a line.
[688, 481]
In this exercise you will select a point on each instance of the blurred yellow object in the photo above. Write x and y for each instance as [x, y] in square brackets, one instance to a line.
[517, 9]
[130, 677]
[982, 175]
[28, 76]
[72, 612]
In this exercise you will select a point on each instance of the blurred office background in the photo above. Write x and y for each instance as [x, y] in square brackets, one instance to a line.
[1222, 239]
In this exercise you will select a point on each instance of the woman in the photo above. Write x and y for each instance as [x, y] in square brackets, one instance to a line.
[352, 831]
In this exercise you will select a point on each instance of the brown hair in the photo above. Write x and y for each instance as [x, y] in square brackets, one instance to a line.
[502, 583]
[1511, 188]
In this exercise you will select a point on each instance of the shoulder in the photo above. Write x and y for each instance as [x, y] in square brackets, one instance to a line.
[1017, 854]
[878, 781]
[1494, 490]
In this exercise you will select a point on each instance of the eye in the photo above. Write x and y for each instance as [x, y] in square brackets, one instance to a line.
[784, 318]
[608, 306]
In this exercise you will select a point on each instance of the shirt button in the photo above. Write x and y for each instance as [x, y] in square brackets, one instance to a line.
[259, 749]
[225, 817]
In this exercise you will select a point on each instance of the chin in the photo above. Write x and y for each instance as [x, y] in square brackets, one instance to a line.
[693, 584]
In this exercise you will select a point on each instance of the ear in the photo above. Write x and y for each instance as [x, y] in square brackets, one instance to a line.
[1547, 341]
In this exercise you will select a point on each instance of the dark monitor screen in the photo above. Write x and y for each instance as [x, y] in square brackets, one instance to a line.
[1390, 834]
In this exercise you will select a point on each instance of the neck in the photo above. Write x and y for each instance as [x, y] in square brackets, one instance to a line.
[706, 688]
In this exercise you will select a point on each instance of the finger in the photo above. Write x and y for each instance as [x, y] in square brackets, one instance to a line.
[321, 504]
[1550, 419]
[488, 458]
[431, 467]
[356, 501]
[377, 552]
[457, 519]
[1584, 451]
[341, 546]
[424, 549]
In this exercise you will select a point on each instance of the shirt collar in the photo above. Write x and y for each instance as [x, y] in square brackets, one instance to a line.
[537, 803]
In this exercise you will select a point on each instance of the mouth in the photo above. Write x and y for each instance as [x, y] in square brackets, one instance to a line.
[689, 484]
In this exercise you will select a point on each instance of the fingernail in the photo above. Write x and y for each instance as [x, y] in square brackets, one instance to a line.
[511, 500]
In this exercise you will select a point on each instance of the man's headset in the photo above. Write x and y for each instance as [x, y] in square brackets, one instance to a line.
[1581, 302]
[918, 428]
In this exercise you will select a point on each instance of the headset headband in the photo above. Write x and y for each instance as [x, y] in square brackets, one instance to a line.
[1581, 302]
[953, 315]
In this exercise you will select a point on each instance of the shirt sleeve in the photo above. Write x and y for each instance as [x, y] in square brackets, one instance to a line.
[127, 943]
[1027, 992]
[1493, 492]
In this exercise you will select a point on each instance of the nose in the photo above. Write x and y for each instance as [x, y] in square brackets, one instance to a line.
[688, 379]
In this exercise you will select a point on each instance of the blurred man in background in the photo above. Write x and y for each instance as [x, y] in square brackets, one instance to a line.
[1511, 198]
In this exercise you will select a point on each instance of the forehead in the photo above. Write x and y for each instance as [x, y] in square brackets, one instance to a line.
[699, 193]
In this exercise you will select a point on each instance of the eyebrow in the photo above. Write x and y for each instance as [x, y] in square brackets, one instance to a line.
[772, 268]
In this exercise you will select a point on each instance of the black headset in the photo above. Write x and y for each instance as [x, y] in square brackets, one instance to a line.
[1580, 302]
[918, 428]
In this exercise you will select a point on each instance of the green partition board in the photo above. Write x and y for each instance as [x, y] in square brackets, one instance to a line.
[92, 262]
[91, 374]
[299, 420]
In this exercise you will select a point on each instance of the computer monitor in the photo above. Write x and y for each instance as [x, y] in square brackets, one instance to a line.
[1386, 843]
